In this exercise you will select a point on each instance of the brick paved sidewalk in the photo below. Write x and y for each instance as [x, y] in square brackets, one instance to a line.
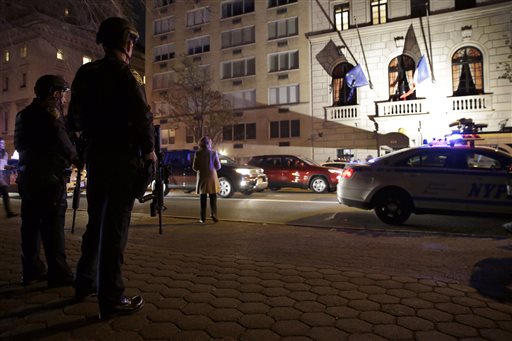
[202, 295]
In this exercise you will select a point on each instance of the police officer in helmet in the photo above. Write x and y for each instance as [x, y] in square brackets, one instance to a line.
[108, 108]
[46, 153]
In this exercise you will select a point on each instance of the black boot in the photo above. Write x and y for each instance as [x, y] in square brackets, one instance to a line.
[213, 207]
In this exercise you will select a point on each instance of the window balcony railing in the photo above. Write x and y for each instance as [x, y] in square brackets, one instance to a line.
[471, 103]
[400, 108]
[349, 112]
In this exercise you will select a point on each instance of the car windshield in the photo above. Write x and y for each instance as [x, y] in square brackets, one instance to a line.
[225, 160]
[309, 161]
[383, 157]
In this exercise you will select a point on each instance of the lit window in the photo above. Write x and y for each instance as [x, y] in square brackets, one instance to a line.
[23, 51]
[60, 55]
[85, 59]
[6, 56]
[379, 11]
[467, 72]
[341, 16]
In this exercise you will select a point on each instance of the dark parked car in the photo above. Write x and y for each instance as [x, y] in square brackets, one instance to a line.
[233, 177]
[298, 172]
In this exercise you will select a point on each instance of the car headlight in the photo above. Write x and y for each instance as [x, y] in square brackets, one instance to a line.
[243, 171]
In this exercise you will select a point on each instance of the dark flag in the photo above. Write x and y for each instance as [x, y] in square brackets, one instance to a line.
[411, 47]
[355, 78]
[330, 56]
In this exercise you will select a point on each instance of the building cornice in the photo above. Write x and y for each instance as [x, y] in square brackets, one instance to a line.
[394, 26]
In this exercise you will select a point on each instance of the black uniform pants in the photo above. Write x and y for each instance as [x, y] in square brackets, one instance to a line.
[43, 209]
[110, 201]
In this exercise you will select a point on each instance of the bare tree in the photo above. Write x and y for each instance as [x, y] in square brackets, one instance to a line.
[195, 105]
[506, 67]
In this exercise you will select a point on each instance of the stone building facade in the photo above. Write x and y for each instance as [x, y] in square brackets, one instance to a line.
[468, 42]
[31, 46]
[257, 54]
[35, 44]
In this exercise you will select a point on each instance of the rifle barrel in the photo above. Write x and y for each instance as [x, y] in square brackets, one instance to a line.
[76, 198]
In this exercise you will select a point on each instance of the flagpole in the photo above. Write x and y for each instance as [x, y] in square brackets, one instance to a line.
[430, 44]
[364, 55]
[334, 26]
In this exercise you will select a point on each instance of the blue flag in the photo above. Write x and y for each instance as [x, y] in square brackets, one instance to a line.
[421, 72]
[355, 78]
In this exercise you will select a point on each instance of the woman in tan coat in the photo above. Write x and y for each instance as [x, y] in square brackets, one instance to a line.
[206, 164]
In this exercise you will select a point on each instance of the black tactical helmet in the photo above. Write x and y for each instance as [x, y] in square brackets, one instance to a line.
[47, 84]
[114, 32]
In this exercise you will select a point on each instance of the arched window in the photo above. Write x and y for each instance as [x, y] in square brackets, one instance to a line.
[400, 73]
[467, 72]
[340, 90]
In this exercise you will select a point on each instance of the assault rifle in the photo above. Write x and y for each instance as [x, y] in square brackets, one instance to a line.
[76, 196]
[159, 182]
[79, 145]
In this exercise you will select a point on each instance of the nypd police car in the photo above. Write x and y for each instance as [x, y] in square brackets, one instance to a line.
[439, 180]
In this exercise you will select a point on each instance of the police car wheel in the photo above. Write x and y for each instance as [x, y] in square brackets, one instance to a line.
[393, 207]
[226, 188]
[319, 184]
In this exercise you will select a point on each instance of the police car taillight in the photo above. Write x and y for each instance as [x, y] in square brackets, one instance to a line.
[347, 173]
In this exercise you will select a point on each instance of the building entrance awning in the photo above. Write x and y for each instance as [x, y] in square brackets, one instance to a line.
[394, 140]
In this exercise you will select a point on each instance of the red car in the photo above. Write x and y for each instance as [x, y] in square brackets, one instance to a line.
[298, 172]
